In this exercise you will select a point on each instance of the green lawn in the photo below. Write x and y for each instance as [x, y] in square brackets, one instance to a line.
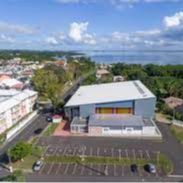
[177, 132]
[26, 164]
[50, 129]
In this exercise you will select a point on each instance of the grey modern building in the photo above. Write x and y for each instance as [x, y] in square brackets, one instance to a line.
[123, 108]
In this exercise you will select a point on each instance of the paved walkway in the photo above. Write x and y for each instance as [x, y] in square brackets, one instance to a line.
[63, 129]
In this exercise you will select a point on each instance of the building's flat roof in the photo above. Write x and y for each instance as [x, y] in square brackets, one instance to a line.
[11, 98]
[115, 120]
[110, 92]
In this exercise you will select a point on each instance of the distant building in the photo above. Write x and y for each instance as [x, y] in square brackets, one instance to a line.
[173, 102]
[8, 83]
[118, 78]
[121, 108]
[14, 106]
[101, 72]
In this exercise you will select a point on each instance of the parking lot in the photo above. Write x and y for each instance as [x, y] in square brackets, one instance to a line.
[94, 169]
[82, 150]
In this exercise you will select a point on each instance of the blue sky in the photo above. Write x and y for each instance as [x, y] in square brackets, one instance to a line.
[91, 24]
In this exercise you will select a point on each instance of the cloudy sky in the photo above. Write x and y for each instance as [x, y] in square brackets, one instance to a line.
[91, 24]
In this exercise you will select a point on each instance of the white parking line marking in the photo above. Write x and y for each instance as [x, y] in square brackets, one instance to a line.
[134, 155]
[82, 170]
[74, 169]
[91, 169]
[112, 152]
[66, 169]
[74, 151]
[45, 152]
[91, 151]
[50, 168]
[126, 152]
[64, 151]
[148, 155]
[99, 170]
[98, 150]
[141, 154]
[122, 170]
[115, 174]
[40, 172]
[59, 165]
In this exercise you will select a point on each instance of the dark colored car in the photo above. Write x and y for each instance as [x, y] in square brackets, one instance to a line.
[49, 118]
[134, 168]
[38, 131]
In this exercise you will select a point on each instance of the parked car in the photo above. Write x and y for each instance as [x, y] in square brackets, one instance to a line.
[49, 118]
[151, 168]
[37, 165]
[134, 168]
[38, 131]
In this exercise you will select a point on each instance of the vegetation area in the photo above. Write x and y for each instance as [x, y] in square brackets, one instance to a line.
[17, 176]
[162, 80]
[23, 149]
[163, 162]
[177, 132]
[34, 55]
[51, 80]
[50, 129]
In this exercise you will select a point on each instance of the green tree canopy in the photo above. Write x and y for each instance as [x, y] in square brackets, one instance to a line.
[20, 150]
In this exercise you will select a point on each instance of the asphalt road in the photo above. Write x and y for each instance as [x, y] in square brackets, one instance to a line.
[27, 133]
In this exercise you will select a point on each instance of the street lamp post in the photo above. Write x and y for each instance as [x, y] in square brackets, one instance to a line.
[10, 162]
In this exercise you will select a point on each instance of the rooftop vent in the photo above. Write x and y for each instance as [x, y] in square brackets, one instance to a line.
[141, 91]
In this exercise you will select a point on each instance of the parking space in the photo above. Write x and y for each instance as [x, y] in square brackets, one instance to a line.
[99, 151]
[94, 170]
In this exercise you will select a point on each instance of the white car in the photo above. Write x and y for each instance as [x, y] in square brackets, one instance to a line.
[37, 165]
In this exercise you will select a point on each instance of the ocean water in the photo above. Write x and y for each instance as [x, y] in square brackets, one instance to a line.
[137, 57]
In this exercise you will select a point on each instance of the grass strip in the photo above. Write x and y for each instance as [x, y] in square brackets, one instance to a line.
[177, 132]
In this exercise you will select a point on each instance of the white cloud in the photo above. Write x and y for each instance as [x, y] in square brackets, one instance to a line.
[51, 40]
[6, 39]
[15, 28]
[78, 33]
[173, 21]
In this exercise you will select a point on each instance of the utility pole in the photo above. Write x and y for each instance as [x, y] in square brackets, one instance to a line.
[10, 162]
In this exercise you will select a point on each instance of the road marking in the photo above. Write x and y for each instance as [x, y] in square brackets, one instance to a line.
[141, 154]
[74, 169]
[40, 172]
[99, 170]
[126, 152]
[122, 170]
[98, 150]
[115, 174]
[148, 155]
[64, 151]
[45, 152]
[74, 152]
[66, 169]
[112, 152]
[91, 169]
[134, 155]
[82, 170]
[91, 151]
[59, 165]
[50, 168]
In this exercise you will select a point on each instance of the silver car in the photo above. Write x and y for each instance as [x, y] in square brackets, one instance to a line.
[151, 168]
[37, 165]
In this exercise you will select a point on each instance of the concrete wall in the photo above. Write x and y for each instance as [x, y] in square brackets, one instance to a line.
[145, 107]
[126, 104]
[95, 130]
